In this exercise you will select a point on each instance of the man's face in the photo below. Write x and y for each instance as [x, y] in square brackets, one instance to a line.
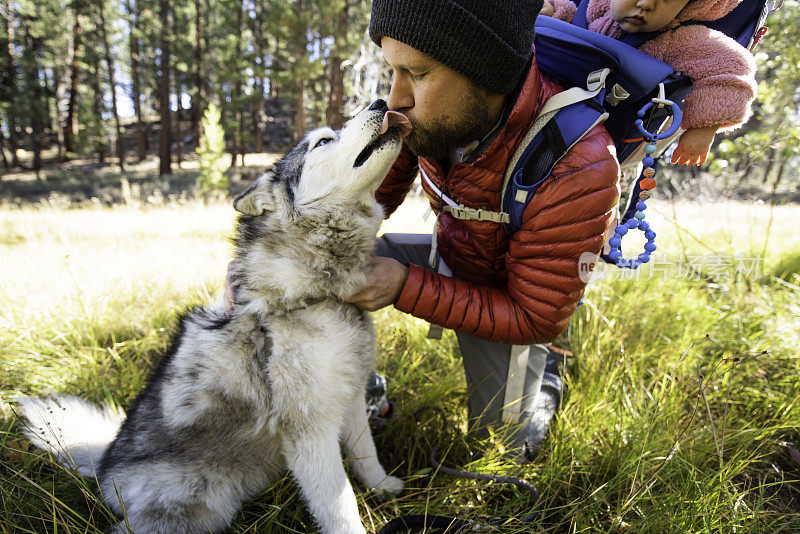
[446, 109]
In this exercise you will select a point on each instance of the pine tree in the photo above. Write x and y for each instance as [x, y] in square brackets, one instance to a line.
[211, 152]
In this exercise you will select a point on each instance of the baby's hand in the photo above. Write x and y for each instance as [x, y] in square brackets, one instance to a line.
[693, 146]
[547, 9]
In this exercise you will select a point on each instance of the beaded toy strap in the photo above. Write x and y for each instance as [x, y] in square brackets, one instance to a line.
[646, 183]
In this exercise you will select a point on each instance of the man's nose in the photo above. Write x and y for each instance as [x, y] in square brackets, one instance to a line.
[400, 95]
[645, 4]
[378, 105]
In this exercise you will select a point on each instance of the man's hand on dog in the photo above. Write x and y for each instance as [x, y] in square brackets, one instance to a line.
[385, 280]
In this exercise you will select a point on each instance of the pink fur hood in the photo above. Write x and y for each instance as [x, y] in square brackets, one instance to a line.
[600, 21]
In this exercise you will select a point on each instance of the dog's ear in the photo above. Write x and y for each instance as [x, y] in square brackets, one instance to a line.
[256, 199]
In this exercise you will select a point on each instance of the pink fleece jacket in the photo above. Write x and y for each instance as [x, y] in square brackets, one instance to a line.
[721, 70]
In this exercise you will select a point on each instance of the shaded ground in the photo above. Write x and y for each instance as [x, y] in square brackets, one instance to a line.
[81, 181]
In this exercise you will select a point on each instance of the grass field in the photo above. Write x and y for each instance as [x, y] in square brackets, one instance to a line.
[682, 413]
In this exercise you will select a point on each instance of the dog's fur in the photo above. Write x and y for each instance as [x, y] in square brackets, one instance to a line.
[277, 383]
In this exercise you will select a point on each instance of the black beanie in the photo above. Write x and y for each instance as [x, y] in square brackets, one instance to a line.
[488, 41]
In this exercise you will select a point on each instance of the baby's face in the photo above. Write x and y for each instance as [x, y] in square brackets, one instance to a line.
[636, 16]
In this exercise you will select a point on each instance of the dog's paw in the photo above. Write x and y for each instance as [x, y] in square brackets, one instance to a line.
[389, 484]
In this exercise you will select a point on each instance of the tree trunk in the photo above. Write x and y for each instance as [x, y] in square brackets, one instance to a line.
[97, 109]
[743, 163]
[164, 149]
[141, 143]
[198, 95]
[33, 45]
[178, 115]
[298, 32]
[334, 114]
[11, 83]
[61, 90]
[300, 111]
[770, 164]
[335, 111]
[239, 114]
[71, 123]
[780, 173]
[258, 109]
[49, 95]
[118, 148]
[275, 88]
[259, 119]
[3, 150]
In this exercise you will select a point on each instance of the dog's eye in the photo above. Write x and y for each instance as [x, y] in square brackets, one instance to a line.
[323, 141]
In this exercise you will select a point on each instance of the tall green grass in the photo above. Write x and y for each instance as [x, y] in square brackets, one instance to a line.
[680, 416]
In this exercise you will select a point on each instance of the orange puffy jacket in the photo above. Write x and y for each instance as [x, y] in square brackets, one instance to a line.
[520, 290]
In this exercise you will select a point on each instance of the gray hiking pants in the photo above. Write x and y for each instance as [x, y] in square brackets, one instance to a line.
[486, 363]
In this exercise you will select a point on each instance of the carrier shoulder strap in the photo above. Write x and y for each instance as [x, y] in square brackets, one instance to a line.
[564, 119]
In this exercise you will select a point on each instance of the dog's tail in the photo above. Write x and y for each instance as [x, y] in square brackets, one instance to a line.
[77, 432]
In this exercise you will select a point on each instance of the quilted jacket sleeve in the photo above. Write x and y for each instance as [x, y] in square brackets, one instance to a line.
[396, 185]
[722, 72]
[568, 216]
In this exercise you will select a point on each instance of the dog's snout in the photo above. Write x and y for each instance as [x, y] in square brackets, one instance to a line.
[378, 105]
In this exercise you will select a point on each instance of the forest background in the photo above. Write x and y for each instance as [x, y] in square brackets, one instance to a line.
[114, 82]
[107, 82]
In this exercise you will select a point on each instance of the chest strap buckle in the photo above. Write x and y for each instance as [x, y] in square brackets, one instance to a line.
[471, 214]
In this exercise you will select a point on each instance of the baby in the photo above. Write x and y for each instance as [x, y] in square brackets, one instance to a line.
[721, 70]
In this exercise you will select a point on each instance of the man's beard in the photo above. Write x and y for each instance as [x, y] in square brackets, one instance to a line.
[440, 136]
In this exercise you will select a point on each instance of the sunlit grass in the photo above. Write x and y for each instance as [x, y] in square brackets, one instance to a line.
[681, 408]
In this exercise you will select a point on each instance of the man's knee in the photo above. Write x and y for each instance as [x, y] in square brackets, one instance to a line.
[405, 248]
[487, 365]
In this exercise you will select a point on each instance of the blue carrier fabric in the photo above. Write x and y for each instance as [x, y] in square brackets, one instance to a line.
[575, 56]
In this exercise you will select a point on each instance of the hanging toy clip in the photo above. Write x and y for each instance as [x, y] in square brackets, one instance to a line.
[762, 31]
[646, 183]
[677, 116]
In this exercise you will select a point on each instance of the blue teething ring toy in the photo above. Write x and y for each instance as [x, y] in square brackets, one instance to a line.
[637, 221]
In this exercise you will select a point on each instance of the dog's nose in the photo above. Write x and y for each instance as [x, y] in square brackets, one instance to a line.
[378, 105]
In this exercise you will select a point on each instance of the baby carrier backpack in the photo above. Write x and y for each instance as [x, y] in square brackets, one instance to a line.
[606, 81]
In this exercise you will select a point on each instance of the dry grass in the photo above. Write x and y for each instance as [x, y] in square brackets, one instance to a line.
[680, 414]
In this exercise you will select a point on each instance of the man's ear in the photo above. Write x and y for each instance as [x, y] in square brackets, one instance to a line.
[257, 198]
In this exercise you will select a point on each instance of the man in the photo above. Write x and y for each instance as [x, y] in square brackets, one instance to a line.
[465, 75]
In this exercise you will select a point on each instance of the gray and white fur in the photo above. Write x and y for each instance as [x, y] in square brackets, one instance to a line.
[276, 384]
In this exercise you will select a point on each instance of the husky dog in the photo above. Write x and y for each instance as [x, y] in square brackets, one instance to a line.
[279, 381]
